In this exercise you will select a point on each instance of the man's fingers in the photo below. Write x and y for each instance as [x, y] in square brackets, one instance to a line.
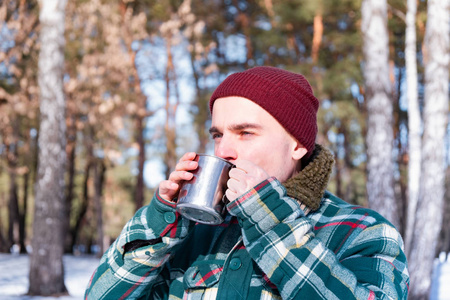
[188, 156]
[167, 185]
[231, 196]
[237, 174]
[177, 176]
[168, 189]
[186, 162]
[188, 165]
[244, 177]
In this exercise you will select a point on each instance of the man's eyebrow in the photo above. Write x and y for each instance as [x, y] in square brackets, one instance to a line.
[243, 126]
[237, 127]
[214, 129]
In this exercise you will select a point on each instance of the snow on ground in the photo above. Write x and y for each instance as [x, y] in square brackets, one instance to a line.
[78, 269]
[14, 276]
[440, 284]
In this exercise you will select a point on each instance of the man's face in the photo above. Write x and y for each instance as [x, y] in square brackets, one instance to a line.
[242, 130]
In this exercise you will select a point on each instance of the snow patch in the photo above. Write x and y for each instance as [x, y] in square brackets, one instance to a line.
[14, 276]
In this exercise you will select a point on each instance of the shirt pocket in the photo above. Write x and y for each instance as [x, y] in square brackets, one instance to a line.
[202, 275]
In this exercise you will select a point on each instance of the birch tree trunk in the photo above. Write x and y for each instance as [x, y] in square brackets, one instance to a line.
[170, 157]
[431, 193]
[46, 261]
[379, 139]
[414, 121]
[129, 36]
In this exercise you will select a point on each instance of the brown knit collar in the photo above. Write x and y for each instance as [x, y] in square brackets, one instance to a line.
[309, 185]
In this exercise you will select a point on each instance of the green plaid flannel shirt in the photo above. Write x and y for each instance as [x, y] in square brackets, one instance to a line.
[267, 248]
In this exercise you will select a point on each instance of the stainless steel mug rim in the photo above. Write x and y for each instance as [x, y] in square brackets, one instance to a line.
[213, 156]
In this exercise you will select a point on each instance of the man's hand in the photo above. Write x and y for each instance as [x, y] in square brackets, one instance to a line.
[169, 189]
[244, 177]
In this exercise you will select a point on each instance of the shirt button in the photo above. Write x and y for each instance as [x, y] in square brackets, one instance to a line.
[169, 217]
[235, 264]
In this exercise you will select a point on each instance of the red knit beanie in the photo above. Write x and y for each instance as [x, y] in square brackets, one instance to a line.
[287, 96]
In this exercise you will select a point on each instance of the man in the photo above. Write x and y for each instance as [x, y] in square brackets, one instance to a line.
[284, 237]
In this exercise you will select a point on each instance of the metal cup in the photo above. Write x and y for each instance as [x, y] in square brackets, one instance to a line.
[201, 198]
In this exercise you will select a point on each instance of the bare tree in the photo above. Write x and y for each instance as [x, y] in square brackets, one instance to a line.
[171, 30]
[46, 262]
[170, 157]
[414, 121]
[130, 35]
[432, 184]
[379, 139]
[318, 33]
[99, 174]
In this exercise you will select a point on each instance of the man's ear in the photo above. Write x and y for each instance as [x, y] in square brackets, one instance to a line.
[299, 151]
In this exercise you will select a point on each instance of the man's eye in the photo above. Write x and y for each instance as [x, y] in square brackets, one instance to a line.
[246, 133]
[215, 136]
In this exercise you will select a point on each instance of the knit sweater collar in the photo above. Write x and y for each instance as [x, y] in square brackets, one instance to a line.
[308, 186]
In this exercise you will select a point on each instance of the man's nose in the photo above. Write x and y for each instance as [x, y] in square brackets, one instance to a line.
[226, 149]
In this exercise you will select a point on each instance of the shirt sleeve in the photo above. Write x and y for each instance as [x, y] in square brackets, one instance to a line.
[357, 255]
[130, 274]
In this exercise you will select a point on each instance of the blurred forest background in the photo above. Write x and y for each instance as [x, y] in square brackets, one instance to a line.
[136, 76]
